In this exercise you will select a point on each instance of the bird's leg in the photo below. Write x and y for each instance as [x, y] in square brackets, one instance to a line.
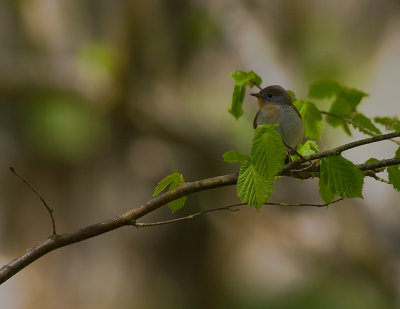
[292, 151]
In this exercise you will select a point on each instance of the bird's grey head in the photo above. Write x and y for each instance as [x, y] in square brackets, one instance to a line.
[274, 95]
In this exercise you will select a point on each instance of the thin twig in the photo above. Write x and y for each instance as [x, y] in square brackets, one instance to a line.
[189, 217]
[306, 167]
[48, 208]
[355, 124]
[295, 205]
[229, 208]
[376, 177]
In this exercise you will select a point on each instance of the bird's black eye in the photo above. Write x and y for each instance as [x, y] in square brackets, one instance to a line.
[269, 95]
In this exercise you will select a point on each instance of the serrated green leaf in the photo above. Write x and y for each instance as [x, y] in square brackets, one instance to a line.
[244, 79]
[390, 123]
[166, 181]
[352, 96]
[308, 148]
[173, 180]
[268, 153]
[341, 176]
[236, 108]
[394, 176]
[324, 89]
[394, 173]
[180, 202]
[256, 176]
[341, 108]
[312, 120]
[324, 190]
[365, 122]
[253, 188]
[254, 79]
[234, 156]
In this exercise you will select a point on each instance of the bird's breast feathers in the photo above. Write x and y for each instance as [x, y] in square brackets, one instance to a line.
[272, 112]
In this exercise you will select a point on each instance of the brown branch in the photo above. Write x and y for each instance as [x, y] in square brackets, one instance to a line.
[57, 241]
[338, 150]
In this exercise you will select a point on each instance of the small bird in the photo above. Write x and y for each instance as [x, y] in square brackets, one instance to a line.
[276, 107]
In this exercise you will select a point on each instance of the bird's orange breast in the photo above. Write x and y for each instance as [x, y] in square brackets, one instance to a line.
[273, 112]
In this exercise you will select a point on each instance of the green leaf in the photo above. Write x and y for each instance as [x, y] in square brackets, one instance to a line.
[234, 156]
[253, 188]
[325, 191]
[394, 173]
[352, 96]
[256, 176]
[308, 148]
[173, 180]
[166, 181]
[365, 122]
[324, 89]
[292, 95]
[180, 202]
[341, 108]
[246, 79]
[312, 119]
[236, 108]
[371, 160]
[242, 79]
[254, 79]
[390, 123]
[268, 153]
[394, 176]
[341, 176]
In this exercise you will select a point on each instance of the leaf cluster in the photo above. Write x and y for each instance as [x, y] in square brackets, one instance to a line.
[259, 170]
[242, 80]
[337, 175]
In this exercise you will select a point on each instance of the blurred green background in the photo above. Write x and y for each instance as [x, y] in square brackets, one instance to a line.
[99, 100]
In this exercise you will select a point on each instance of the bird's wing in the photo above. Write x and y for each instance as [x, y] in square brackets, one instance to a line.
[296, 110]
[255, 119]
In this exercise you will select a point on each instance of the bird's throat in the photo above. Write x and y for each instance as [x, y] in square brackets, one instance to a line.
[261, 102]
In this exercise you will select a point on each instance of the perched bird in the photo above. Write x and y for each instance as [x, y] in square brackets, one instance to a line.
[276, 107]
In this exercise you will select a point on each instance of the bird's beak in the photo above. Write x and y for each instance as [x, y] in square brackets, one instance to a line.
[257, 95]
